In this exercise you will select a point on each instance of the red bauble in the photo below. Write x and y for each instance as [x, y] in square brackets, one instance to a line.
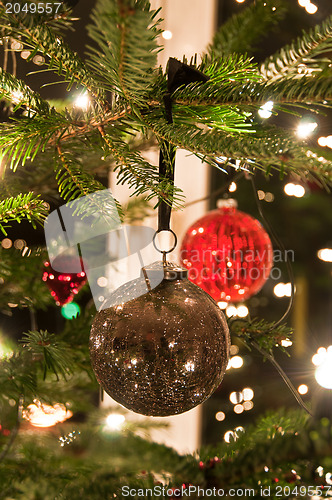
[64, 285]
[227, 253]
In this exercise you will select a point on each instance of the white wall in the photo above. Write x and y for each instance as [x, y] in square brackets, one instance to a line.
[191, 23]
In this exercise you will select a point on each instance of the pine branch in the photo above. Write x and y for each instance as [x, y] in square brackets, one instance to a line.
[17, 376]
[22, 207]
[305, 90]
[261, 332]
[279, 443]
[136, 210]
[125, 31]
[19, 285]
[42, 39]
[266, 149]
[138, 173]
[24, 138]
[55, 356]
[17, 92]
[304, 56]
[243, 31]
[74, 182]
[235, 70]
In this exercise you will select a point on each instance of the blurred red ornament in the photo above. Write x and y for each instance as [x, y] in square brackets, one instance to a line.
[64, 285]
[292, 477]
[227, 253]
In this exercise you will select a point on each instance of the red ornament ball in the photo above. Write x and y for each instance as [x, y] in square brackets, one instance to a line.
[227, 253]
[64, 285]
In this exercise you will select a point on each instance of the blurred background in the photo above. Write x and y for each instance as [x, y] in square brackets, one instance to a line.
[300, 213]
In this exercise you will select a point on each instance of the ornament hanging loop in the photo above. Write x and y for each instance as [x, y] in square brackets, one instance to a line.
[164, 252]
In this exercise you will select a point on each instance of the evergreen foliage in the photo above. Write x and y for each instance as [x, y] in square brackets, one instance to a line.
[242, 33]
[213, 120]
[217, 121]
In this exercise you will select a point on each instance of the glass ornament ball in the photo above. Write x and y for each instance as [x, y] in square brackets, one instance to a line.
[160, 351]
[64, 285]
[227, 253]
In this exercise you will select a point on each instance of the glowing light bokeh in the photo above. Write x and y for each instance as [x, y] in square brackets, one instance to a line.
[303, 389]
[306, 127]
[41, 415]
[325, 254]
[71, 310]
[265, 111]
[82, 101]
[167, 35]
[115, 421]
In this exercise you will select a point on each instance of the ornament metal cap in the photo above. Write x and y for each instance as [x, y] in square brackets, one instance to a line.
[169, 270]
[227, 203]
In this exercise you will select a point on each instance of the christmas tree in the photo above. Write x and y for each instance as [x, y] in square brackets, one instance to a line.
[215, 107]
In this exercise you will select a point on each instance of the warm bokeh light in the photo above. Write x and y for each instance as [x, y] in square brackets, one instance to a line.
[302, 389]
[233, 350]
[232, 187]
[325, 254]
[323, 361]
[303, 3]
[322, 141]
[286, 343]
[296, 190]
[6, 243]
[16, 45]
[82, 101]
[238, 409]
[236, 362]
[167, 35]
[282, 290]
[325, 142]
[102, 281]
[231, 311]
[17, 97]
[269, 197]
[41, 415]
[305, 128]
[323, 373]
[220, 416]
[236, 397]
[228, 436]
[38, 60]
[233, 435]
[248, 405]
[311, 8]
[265, 111]
[248, 394]
[5, 347]
[25, 54]
[115, 421]
[19, 244]
[319, 357]
[242, 311]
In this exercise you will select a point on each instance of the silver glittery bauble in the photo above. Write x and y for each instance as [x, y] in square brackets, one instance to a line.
[163, 351]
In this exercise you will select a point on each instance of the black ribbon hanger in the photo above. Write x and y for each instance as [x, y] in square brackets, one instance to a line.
[178, 74]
